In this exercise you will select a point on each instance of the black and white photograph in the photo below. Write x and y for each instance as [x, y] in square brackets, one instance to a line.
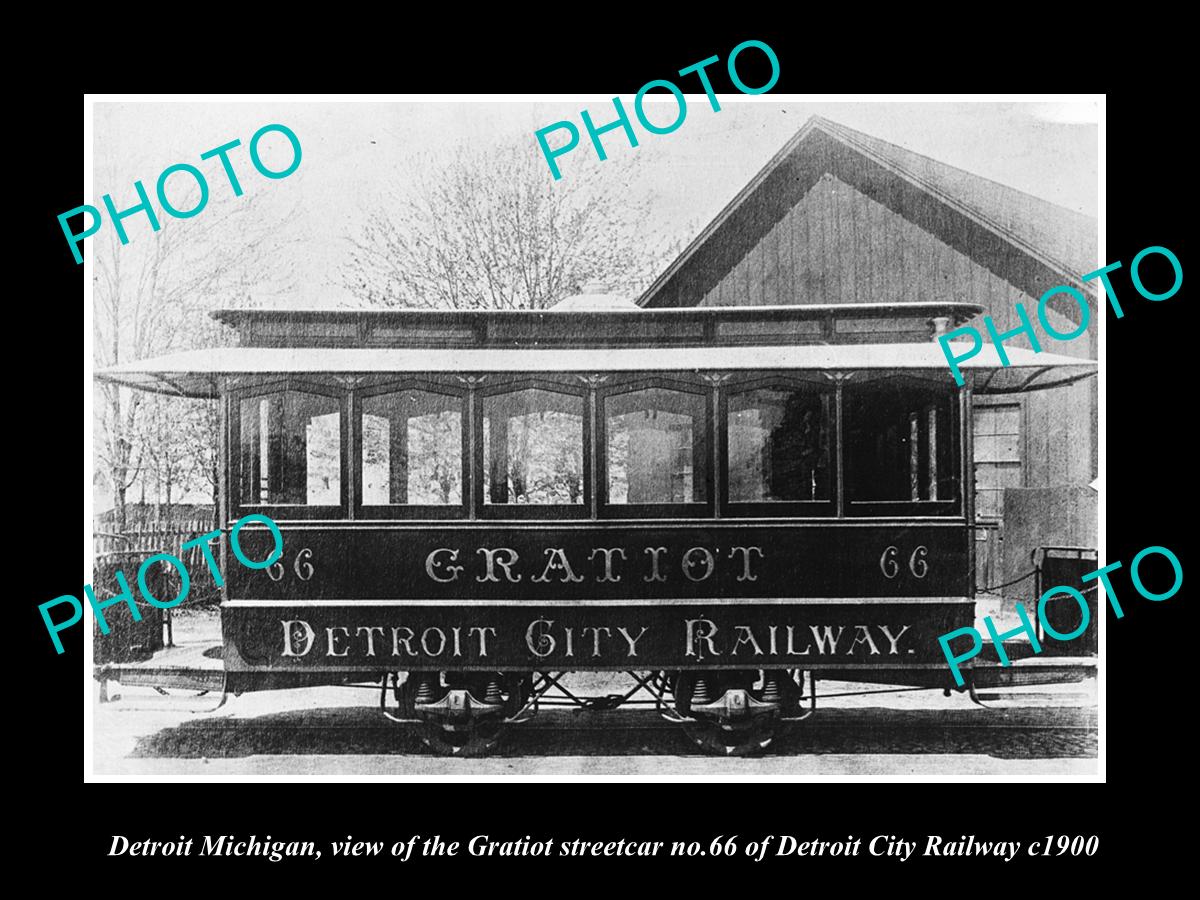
[536, 438]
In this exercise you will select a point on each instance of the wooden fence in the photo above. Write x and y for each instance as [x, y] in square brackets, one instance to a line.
[142, 539]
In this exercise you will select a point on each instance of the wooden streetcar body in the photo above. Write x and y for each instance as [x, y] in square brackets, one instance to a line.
[662, 584]
[650, 543]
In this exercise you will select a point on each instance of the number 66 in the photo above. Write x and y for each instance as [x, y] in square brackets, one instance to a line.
[301, 566]
[916, 563]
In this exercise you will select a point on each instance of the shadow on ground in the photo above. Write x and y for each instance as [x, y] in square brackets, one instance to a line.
[1027, 733]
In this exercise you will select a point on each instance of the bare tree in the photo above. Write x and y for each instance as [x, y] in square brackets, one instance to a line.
[168, 462]
[152, 297]
[491, 229]
[200, 430]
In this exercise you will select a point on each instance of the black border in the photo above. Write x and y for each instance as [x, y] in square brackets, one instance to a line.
[1136, 814]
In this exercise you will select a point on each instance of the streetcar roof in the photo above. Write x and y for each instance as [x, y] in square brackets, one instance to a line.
[232, 315]
[586, 324]
[197, 373]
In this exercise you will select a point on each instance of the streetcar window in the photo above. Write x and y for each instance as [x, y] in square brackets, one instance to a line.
[779, 445]
[656, 449]
[291, 449]
[412, 449]
[900, 444]
[533, 448]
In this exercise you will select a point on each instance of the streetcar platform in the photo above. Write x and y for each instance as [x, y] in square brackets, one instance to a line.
[197, 665]
[189, 665]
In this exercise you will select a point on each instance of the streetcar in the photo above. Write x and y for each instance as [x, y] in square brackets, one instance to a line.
[725, 503]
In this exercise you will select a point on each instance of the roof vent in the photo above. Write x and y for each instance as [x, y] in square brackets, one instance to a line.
[595, 298]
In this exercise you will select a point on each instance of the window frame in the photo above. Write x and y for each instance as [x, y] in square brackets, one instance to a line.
[461, 510]
[779, 508]
[945, 509]
[581, 510]
[607, 510]
[287, 511]
[592, 404]
[991, 404]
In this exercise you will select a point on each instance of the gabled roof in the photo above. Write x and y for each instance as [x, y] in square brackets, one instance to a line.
[1061, 234]
[1031, 243]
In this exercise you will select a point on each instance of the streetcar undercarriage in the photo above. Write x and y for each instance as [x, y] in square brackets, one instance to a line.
[727, 712]
[735, 712]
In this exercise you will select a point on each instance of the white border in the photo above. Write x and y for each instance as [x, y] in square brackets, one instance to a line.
[88, 191]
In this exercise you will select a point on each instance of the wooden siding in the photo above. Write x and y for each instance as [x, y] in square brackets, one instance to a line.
[1063, 517]
[836, 245]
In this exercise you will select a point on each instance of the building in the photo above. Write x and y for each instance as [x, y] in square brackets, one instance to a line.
[838, 216]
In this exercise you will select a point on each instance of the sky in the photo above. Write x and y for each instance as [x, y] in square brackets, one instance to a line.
[355, 153]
